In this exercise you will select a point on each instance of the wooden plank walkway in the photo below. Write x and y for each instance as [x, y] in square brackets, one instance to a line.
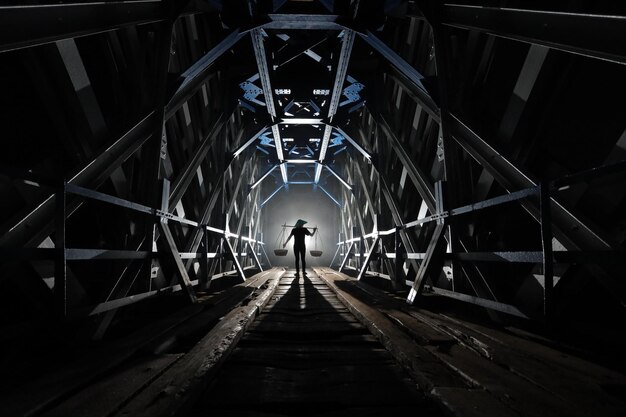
[306, 354]
[474, 369]
[321, 345]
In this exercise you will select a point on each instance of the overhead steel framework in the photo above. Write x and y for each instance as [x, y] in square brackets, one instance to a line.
[461, 144]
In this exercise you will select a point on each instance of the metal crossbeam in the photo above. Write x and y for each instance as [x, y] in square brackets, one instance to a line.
[33, 228]
[433, 261]
[411, 74]
[342, 70]
[328, 129]
[249, 142]
[231, 252]
[172, 251]
[341, 180]
[346, 257]
[261, 61]
[368, 258]
[303, 22]
[30, 25]
[597, 36]
[265, 175]
[417, 177]
[354, 143]
[195, 75]
[254, 256]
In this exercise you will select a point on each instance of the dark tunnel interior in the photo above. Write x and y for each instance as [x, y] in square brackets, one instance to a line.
[463, 165]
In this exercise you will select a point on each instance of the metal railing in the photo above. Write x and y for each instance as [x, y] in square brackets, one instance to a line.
[61, 254]
[545, 194]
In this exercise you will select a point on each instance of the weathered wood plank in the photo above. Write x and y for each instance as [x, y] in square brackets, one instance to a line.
[110, 393]
[39, 394]
[527, 377]
[175, 390]
[426, 369]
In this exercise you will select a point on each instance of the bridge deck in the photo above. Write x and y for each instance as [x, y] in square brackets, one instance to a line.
[321, 345]
[306, 354]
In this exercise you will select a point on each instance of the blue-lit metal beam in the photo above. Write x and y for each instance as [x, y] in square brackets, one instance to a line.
[342, 69]
[280, 187]
[303, 22]
[355, 144]
[341, 180]
[330, 196]
[260, 180]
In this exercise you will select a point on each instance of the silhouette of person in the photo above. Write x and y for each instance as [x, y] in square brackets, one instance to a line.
[299, 248]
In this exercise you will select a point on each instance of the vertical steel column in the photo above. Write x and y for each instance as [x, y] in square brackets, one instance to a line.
[346, 257]
[233, 255]
[255, 258]
[368, 259]
[204, 278]
[60, 259]
[546, 243]
[434, 257]
[398, 281]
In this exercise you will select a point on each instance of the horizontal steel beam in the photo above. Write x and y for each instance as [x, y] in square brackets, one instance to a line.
[597, 36]
[303, 22]
[30, 25]
[482, 302]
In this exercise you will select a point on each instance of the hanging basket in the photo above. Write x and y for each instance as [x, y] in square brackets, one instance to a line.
[316, 253]
[280, 252]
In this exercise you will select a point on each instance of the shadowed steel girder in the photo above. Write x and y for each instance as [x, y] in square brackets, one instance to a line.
[249, 142]
[407, 70]
[261, 61]
[197, 73]
[33, 228]
[24, 26]
[340, 77]
[597, 36]
[342, 70]
[303, 22]
[341, 180]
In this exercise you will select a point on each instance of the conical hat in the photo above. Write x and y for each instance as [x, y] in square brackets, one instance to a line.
[300, 223]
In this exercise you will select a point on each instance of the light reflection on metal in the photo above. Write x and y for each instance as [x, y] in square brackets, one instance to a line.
[342, 69]
[260, 180]
[198, 71]
[318, 172]
[249, 142]
[300, 161]
[355, 144]
[301, 121]
[283, 172]
[330, 196]
[280, 187]
[341, 180]
[278, 143]
[261, 60]
[303, 22]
